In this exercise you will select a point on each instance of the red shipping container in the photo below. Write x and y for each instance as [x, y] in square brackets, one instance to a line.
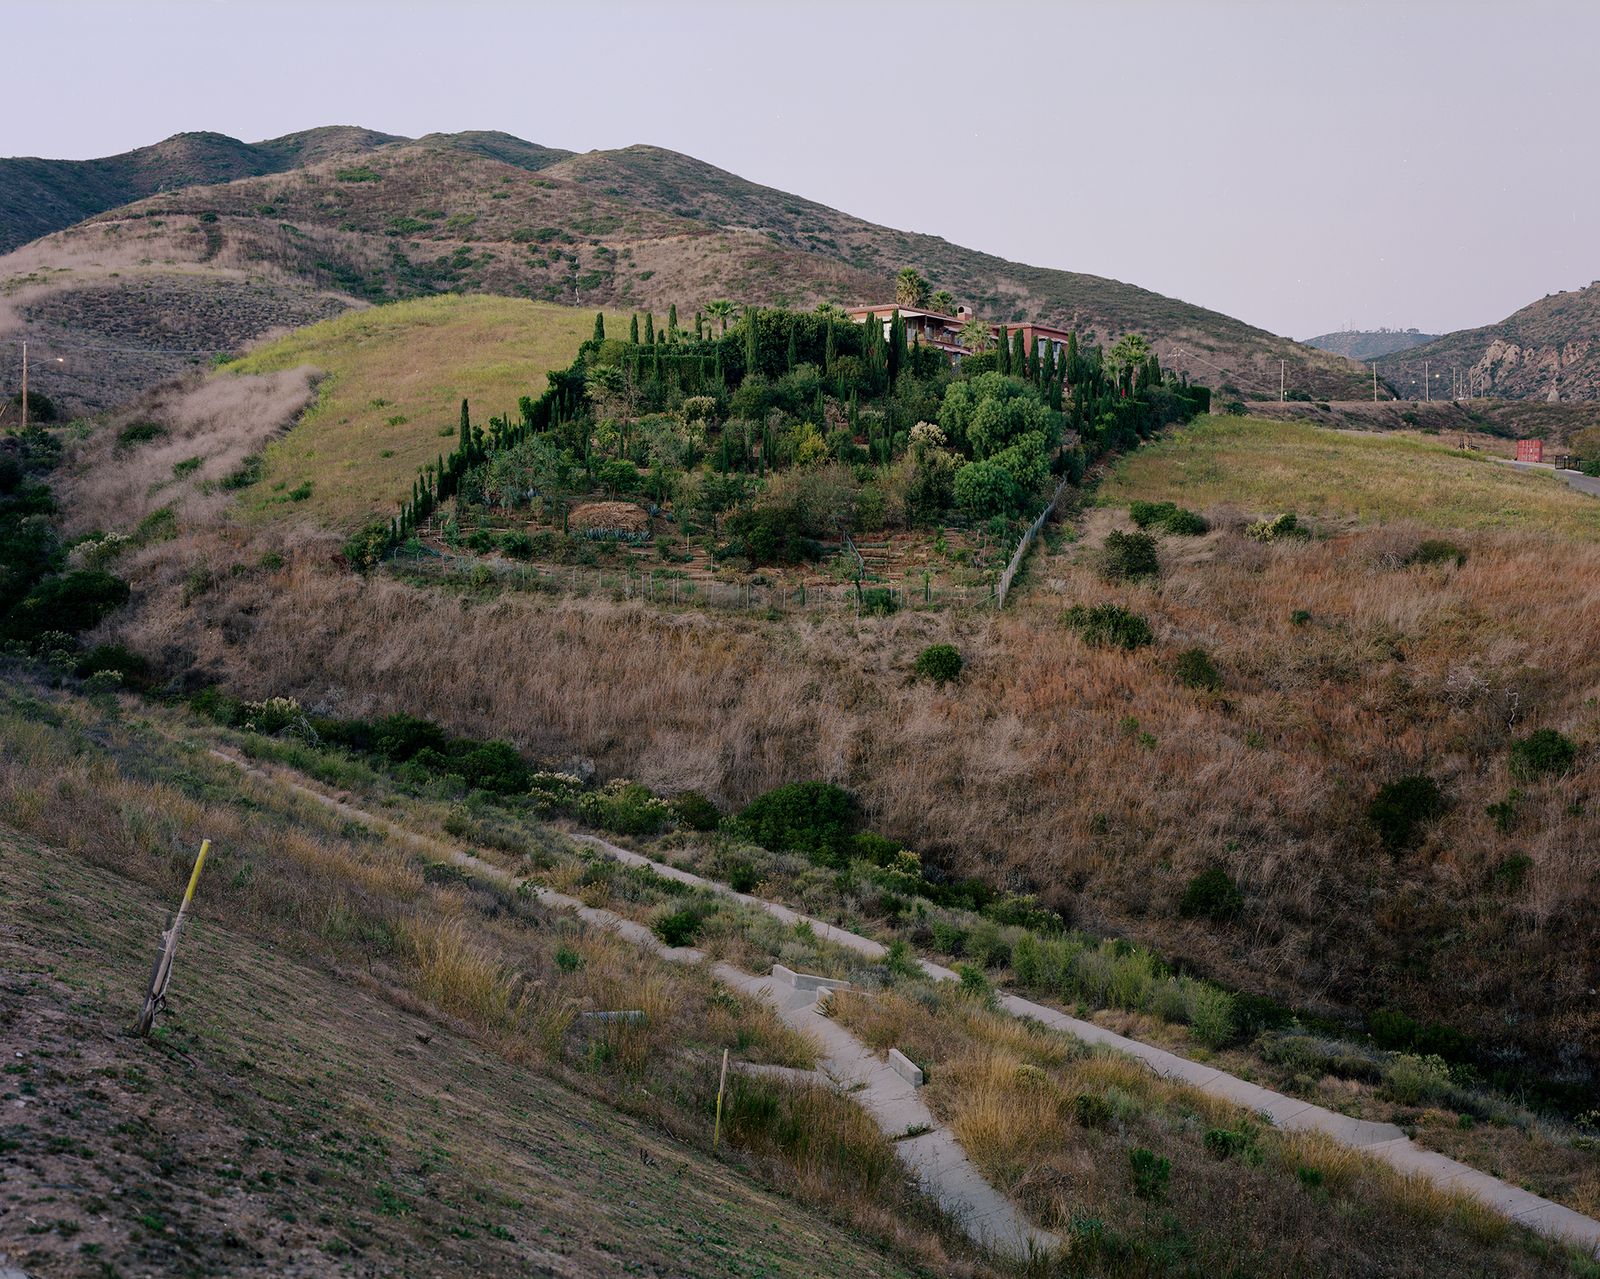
[1530, 450]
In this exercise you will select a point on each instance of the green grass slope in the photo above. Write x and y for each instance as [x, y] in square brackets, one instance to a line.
[389, 403]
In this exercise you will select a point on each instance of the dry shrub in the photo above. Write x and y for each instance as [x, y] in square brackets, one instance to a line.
[463, 977]
[608, 516]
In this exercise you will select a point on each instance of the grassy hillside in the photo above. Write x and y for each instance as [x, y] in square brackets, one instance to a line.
[636, 228]
[1546, 350]
[359, 1067]
[1261, 465]
[389, 404]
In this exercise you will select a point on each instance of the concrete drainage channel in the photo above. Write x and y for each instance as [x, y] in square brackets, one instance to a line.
[943, 1169]
[1384, 1142]
[886, 1090]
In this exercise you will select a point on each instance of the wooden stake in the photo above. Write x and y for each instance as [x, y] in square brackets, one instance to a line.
[162, 972]
[716, 1131]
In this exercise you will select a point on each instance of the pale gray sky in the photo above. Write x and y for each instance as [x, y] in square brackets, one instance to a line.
[1298, 164]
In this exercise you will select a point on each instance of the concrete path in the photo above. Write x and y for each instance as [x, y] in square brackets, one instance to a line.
[1384, 1142]
[928, 1150]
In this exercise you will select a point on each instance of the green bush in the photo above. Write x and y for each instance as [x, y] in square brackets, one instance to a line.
[1225, 1143]
[1402, 807]
[1129, 556]
[1109, 626]
[1416, 1080]
[1436, 550]
[141, 432]
[678, 927]
[1212, 895]
[948, 938]
[1196, 670]
[697, 812]
[367, 547]
[1183, 523]
[1168, 517]
[70, 603]
[1211, 1015]
[133, 669]
[1278, 528]
[869, 846]
[1150, 1173]
[1543, 753]
[743, 877]
[939, 662]
[814, 818]
[517, 544]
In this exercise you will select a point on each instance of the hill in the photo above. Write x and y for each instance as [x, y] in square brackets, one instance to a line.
[1369, 344]
[40, 196]
[637, 228]
[1549, 350]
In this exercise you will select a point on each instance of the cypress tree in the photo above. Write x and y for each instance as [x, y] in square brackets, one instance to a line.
[1004, 349]
[1019, 355]
[599, 326]
[1047, 366]
[1033, 360]
[633, 330]
[722, 378]
[897, 344]
[829, 349]
[672, 323]
[649, 329]
[464, 444]
[699, 333]
[752, 348]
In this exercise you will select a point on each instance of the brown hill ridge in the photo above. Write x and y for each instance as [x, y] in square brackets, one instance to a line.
[1549, 350]
[638, 227]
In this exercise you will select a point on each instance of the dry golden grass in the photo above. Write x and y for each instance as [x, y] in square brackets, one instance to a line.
[1054, 1124]
[391, 401]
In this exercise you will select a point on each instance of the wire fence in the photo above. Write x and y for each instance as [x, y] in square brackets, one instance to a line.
[1003, 586]
[679, 590]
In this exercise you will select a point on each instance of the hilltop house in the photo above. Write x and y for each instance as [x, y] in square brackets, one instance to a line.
[935, 329]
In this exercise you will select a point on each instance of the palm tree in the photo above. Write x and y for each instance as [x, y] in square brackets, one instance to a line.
[721, 309]
[942, 301]
[831, 311]
[910, 289]
[976, 336]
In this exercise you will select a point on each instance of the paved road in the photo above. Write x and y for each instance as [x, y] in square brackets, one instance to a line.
[1577, 479]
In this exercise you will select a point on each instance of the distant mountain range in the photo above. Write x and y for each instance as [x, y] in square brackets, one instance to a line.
[1369, 344]
[1549, 350]
[195, 242]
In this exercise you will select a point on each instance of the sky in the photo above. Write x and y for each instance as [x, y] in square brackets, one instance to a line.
[1304, 165]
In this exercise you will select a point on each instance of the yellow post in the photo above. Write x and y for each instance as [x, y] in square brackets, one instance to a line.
[162, 972]
[716, 1131]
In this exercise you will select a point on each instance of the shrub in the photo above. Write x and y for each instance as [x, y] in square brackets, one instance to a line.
[1414, 1080]
[1435, 550]
[1224, 1143]
[697, 812]
[743, 877]
[1027, 960]
[517, 544]
[1544, 752]
[133, 669]
[141, 432]
[367, 547]
[625, 808]
[1183, 523]
[1196, 670]
[1402, 807]
[1211, 1015]
[1300, 617]
[1150, 1173]
[975, 983]
[70, 603]
[1212, 895]
[814, 818]
[948, 938]
[679, 927]
[869, 846]
[939, 662]
[1151, 514]
[1129, 556]
[1277, 528]
[1109, 626]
